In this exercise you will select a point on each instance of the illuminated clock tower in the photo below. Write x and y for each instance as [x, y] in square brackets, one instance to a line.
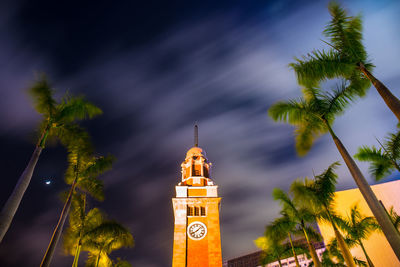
[197, 238]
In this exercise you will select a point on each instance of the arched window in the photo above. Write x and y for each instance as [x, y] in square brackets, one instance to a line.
[189, 211]
[202, 211]
[196, 211]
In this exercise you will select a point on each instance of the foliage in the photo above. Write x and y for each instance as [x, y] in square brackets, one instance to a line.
[356, 225]
[299, 215]
[343, 57]
[317, 194]
[312, 115]
[104, 239]
[80, 223]
[384, 160]
[395, 218]
[59, 117]
[85, 169]
[333, 250]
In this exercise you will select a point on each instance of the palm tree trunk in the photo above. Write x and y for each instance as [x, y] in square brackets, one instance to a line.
[383, 219]
[279, 261]
[58, 230]
[348, 258]
[391, 101]
[12, 204]
[78, 249]
[293, 250]
[98, 259]
[76, 256]
[370, 264]
[311, 248]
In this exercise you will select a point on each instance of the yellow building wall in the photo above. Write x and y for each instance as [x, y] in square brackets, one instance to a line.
[376, 246]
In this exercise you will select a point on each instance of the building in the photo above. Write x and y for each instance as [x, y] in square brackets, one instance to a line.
[197, 240]
[254, 259]
[376, 245]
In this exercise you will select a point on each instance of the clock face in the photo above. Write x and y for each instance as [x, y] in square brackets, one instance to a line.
[197, 230]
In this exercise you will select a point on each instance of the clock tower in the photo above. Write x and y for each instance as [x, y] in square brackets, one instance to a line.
[197, 240]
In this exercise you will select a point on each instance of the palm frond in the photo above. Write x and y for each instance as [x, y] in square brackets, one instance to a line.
[73, 137]
[380, 163]
[304, 139]
[98, 166]
[372, 153]
[111, 235]
[292, 111]
[313, 234]
[394, 217]
[337, 100]
[93, 187]
[325, 184]
[287, 204]
[76, 108]
[304, 194]
[42, 95]
[318, 66]
[345, 33]
[392, 145]
[358, 83]
[280, 227]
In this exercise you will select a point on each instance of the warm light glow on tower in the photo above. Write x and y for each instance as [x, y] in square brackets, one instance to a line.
[197, 241]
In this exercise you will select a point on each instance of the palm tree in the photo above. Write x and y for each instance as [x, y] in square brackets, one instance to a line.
[328, 262]
[384, 160]
[58, 121]
[272, 248]
[333, 250]
[80, 223]
[346, 58]
[81, 174]
[300, 216]
[121, 263]
[318, 194]
[104, 239]
[284, 226]
[313, 116]
[358, 227]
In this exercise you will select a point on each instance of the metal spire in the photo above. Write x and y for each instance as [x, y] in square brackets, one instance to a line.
[196, 135]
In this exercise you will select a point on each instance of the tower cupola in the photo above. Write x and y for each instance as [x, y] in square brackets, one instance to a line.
[196, 169]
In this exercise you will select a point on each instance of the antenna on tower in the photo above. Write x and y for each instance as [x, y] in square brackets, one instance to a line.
[196, 135]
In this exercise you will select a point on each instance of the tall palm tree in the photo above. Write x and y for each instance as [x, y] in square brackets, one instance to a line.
[318, 194]
[58, 121]
[104, 239]
[384, 160]
[346, 58]
[81, 174]
[80, 223]
[313, 115]
[284, 227]
[300, 216]
[358, 227]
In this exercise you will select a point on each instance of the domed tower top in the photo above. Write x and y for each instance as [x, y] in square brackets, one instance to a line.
[196, 168]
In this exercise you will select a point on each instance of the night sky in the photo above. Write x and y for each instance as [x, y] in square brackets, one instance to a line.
[156, 68]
